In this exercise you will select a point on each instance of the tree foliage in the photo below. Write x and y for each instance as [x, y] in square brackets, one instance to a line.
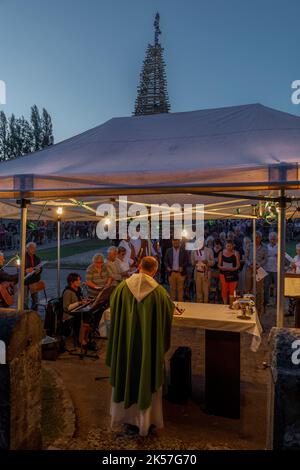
[19, 137]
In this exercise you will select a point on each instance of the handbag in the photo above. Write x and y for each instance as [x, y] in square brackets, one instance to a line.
[37, 287]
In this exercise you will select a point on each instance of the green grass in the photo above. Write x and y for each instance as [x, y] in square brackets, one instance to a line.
[50, 254]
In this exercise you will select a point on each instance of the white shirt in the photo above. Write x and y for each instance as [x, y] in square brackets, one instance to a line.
[198, 256]
[271, 265]
[122, 265]
[176, 252]
[126, 245]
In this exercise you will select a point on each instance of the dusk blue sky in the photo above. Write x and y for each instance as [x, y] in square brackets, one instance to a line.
[81, 59]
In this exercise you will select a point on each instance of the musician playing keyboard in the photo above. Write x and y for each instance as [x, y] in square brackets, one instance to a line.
[72, 299]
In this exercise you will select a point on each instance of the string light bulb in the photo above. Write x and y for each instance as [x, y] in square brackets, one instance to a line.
[184, 233]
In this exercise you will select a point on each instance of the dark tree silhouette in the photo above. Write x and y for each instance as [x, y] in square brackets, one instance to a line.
[152, 94]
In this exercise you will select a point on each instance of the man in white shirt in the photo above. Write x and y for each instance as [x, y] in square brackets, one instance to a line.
[176, 261]
[202, 260]
[271, 266]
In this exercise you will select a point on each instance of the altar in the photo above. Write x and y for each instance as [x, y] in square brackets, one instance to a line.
[222, 351]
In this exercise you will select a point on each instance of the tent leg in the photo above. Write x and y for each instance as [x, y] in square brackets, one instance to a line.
[254, 250]
[149, 239]
[281, 260]
[58, 257]
[23, 221]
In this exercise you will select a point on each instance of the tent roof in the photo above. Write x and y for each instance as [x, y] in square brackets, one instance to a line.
[226, 148]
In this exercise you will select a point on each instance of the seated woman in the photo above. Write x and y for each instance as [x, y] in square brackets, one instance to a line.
[122, 263]
[72, 299]
[112, 266]
[97, 276]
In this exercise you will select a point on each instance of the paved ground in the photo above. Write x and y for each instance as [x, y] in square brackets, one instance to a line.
[185, 425]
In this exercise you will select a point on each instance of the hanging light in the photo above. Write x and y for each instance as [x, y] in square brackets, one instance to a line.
[184, 233]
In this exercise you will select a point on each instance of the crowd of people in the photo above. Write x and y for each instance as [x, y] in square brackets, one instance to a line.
[44, 232]
[222, 268]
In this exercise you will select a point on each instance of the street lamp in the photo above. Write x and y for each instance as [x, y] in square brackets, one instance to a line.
[59, 212]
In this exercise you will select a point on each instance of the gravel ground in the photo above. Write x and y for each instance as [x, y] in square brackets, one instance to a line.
[104, 439]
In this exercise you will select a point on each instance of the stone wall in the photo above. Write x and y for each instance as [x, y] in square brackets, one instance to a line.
[20, 397]
[284, 390]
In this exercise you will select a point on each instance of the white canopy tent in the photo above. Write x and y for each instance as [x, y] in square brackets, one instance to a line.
[235, 148]
[242, 153]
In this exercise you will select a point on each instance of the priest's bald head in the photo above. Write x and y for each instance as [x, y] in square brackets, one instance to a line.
[148, 265]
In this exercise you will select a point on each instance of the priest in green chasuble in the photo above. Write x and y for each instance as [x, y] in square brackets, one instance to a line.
[140, 331]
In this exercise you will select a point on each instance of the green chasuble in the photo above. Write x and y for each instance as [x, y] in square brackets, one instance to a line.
[140, 331]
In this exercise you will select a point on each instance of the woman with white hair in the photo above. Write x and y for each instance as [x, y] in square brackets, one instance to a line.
[122, 263]
[97, 276]
[112, 265]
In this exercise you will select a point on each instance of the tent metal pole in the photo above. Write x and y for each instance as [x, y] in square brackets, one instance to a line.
[149, 238]
[153, 189]
[281, 260]
[254, 249]
[58, 257]
[23, 221]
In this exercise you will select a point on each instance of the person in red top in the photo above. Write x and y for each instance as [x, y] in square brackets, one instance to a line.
[31, 261]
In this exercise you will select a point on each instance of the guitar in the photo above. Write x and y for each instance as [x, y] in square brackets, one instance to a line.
[7, 292]
[35, 269]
